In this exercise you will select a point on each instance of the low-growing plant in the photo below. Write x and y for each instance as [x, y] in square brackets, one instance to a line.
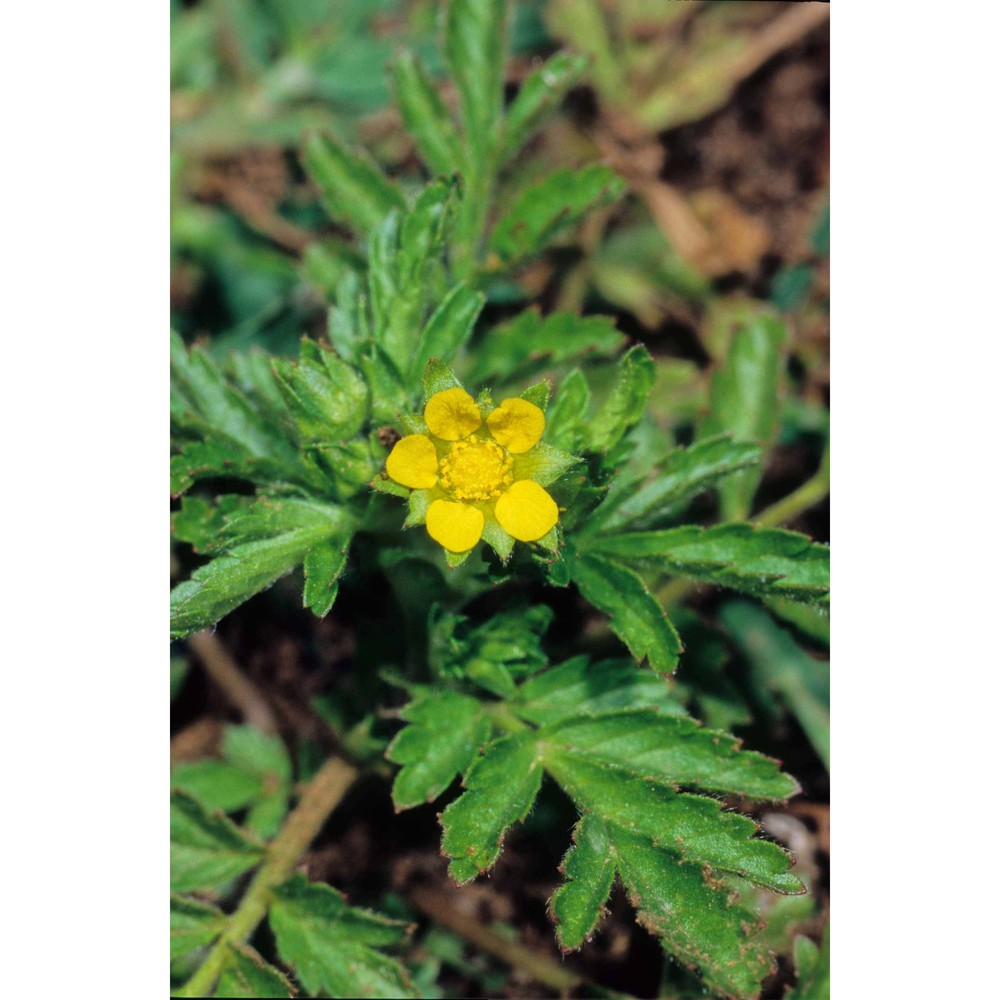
[422, 450]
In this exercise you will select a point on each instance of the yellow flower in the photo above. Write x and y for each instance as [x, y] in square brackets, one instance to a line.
[479, 473]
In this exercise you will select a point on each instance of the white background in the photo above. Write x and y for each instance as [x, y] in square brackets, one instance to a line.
[84, 497]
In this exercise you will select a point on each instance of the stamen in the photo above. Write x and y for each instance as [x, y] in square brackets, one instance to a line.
[475, 469]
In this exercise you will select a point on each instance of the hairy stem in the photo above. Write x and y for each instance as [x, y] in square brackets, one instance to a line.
[319, 799]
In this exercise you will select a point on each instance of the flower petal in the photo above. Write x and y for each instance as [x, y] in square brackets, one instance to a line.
[452, 414]
[413, 462]
[456, 526]
[526, 511]
[517, 425]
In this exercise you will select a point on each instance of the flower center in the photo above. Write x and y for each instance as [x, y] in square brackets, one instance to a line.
[475, 469]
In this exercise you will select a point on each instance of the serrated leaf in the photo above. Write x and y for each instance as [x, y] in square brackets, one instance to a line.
[206, 849]
[279, 536]
[426, 118]
[474, 47]
[549, 207]
[745, 403]
[758, 561]
[193, 924]
[635, 616]
[323, 565]
[246, 974]
[529, 341]
[333, 946]
[354, 190]
[449, 327]
[694, 919]
[684, 473]
[500, 789]
[327, 398]
[220, 430]
[581, 688]
[539, 96]
[627, 402]
[446, 732]
[692, 827]
[589, 867]
[675, 750]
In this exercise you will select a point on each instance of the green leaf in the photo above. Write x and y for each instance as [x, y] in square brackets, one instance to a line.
[446, 732]
[475, 38]
[333, 947]
[216, 784]
[565, 423]
[684, 474]
[206, 849]
[529, 342]
[193, 924]
[757, 561]
[449, 327]
[353, 188]
[745, 404]
[324, 564]
[674, 750]
[627, 403]
[581, 688]
[246, 974]
[812, 969]
[327, 398]
[551, 206]
[589, 867]
[219, 429]
[635, 616]
[425, 116]
[782, 666]
[500, 789]
[278, 535]
[539, 96]
[695, 920]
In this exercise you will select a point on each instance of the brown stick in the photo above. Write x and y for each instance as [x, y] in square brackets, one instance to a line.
[435, 905]
[233, 683]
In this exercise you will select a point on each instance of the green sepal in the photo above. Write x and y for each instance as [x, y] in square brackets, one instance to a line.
[436, 378]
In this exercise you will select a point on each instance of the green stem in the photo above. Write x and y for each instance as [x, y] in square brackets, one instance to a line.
[810, 493]
[504, 717]
[320, 798]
